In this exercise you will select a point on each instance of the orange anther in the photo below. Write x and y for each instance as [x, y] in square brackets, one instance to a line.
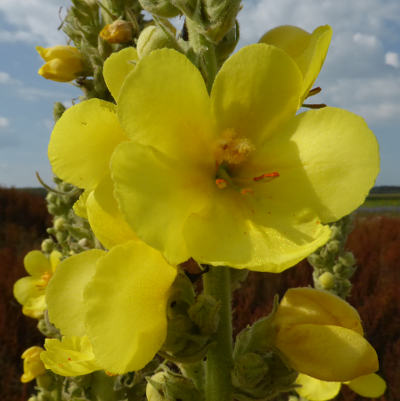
[221, 183]
[274, 174]
[245, 191]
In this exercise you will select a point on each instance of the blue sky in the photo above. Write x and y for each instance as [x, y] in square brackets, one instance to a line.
[361, 72]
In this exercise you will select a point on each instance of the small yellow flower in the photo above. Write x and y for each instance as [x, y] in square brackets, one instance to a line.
[63, 63]
[30, 291]
[33, 366]
[118, 32]
[321, 336]
[111, 308]
[312, 389]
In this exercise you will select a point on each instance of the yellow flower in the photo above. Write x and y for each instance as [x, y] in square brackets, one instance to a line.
[235, 177]
[321, 336]
[63, 63]
[33, 366]
[308, 50]
[30, 291]
[232, 178]
[93, 125]
[371, 386]
[111, 309]
[118, 32]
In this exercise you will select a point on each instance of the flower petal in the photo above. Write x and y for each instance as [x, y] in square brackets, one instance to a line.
[233, 231]
[26, 288]
[35, 306]
[117, 67]
[371, 386]
[255, 91]
[327, 352]
[72, 356]
[164, 103]
[311, 306]
[82, 142]
[156, 194]
[64, 293]
[307, 50]
[54, 258]
[79, 206]
[327, 160]
[36, 263]
[313, 389]
[105, 217]
[126, 306]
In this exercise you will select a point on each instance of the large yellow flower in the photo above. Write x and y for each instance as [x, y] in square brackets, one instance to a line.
[321, 336]
[30, 291]
[111, 309]
[235, 177]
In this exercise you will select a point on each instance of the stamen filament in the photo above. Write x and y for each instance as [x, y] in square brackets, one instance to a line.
[274, 174]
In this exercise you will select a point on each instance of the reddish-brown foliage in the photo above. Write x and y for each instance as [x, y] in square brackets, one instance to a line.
[23, 220]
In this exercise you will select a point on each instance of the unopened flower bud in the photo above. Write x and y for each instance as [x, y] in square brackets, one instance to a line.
[118, 32]
[60, 223]
[154, 387]
[47, 245]
[249, 370]
[152, 38]
[63, 63]
[327, 280]
[161, 8]
[333, 246]
[205, 313]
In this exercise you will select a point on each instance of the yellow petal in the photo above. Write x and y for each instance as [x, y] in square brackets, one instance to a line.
[313, 389]
[117, 67]
[35, 306]
[72, 356]
[64, 293]
[79, 206]
[54, 258]
[61, 70]
[164, 103]
[308, 305]
[26, 288]
[320, 156]
[82, 142]
[126, 306]
[371, 386]
[237, 232]
[60, 51]
[156, 194]
[327, 352]
[36, 263]
[307, 50]
[105, 217]
[255, 91]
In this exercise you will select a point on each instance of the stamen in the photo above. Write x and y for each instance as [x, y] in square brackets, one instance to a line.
[245, 191]
[221, 183]
[314, 106]
[263, 177]
[314, 91]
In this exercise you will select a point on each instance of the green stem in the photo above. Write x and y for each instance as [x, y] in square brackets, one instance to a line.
[219, 358]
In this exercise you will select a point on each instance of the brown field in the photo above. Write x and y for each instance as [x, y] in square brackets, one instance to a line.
[375, 242]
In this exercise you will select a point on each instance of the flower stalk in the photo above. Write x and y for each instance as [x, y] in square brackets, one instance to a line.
[219, 361]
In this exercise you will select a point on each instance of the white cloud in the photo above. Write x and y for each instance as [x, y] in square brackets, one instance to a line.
[32, 21]
[392, 59]
[4, 122]
[365, 40]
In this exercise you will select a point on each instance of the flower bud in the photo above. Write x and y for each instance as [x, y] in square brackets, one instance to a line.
[152, 38]
[118, 32]
[161, 8]
[47, 245]
[205, 313]
[249, 370]
[60, 223]
[33, 366]
[327, 280]
[63, 63]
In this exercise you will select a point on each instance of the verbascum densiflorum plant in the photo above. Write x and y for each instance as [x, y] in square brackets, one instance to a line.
[30, 291]
[232, 178]
[63, 63]
[370, 386]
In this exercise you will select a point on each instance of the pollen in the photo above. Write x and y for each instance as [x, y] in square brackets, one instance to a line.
[232, 149]
[266, 176]
[221, 183]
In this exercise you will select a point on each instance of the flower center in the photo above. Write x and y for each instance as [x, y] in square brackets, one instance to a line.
[231, 151]
[44, 280]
